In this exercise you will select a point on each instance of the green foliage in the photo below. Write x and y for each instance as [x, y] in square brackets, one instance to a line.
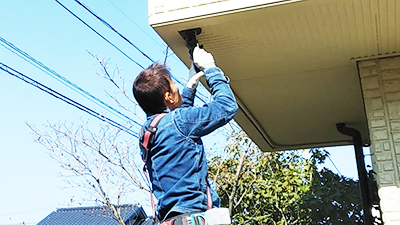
[282, 188]
[334, 199]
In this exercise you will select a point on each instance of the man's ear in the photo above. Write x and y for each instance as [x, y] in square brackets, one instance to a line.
[168, 97]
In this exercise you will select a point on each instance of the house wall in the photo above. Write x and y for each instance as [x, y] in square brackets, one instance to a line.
[380, 79]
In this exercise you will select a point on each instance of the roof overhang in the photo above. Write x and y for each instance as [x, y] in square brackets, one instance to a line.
[292, 64]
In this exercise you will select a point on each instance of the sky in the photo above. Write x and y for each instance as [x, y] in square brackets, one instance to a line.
[31, 185]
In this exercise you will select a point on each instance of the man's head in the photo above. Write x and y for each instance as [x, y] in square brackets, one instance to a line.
[154, 90]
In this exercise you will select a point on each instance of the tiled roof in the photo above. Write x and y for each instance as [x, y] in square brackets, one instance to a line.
[147, 222]
[132, 215]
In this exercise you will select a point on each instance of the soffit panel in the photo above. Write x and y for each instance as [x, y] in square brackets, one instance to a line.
[292, 66]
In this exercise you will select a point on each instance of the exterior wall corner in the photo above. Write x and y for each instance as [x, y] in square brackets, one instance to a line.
[380, 81]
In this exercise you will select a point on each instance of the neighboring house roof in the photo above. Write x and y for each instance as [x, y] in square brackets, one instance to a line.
[132, 215]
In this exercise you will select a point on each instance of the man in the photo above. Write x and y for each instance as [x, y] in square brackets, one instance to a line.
[176, 159]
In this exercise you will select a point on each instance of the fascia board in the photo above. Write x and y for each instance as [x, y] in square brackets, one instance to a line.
[162, 14]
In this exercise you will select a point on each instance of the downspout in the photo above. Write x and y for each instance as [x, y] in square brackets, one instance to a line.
[362, 172]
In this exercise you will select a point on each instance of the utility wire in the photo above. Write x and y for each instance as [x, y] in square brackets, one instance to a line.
[62, 79]
[113, 29]
[148, 35]
[122, 36]
[335, 166]
[99, 34]
[64, 98]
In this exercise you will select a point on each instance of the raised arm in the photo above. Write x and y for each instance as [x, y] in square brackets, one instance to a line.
[199, 121]
[189, 91]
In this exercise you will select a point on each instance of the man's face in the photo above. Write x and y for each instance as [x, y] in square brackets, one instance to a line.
[176, 99]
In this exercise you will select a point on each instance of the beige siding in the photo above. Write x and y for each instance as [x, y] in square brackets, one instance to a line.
[380, 80]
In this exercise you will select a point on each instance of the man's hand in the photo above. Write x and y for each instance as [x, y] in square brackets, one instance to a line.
[202, 59]
[193, 77]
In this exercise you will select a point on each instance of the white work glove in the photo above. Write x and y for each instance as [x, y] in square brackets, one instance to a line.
[202, 59]
[194, 77]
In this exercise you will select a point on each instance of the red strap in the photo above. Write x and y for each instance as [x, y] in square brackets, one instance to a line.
[209, 199]
[153, 123]
[168, 222]
[153, 204]
[145, 143]
[146, 139]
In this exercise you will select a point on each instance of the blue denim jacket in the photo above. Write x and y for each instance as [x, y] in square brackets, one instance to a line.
[177, 162]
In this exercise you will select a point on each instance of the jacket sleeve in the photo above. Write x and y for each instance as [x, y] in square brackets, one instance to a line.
[199, 121]
[188, 97]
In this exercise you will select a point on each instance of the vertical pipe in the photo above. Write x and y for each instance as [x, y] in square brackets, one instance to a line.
[362, 173]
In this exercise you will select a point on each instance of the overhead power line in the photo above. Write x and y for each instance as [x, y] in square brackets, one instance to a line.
[64, 98]
[20, 53]
[335, 166]
[145, 32]
[119, 34]
[113, 29]
[148, 35]
[99, 34]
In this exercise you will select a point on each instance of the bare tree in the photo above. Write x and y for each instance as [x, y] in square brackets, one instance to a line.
[100, 159]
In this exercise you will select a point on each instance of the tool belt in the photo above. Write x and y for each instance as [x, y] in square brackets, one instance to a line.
[197, 218]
